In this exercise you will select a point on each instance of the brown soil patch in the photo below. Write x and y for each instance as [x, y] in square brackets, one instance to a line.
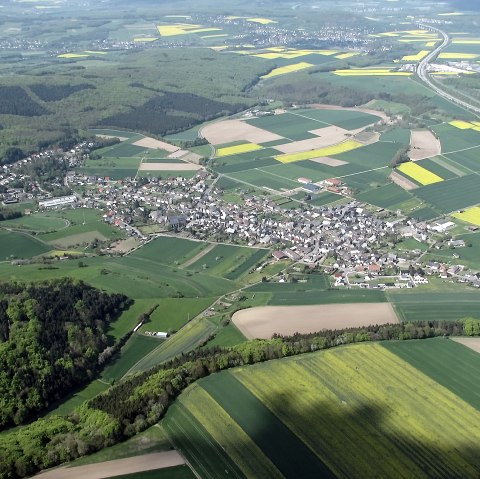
[322, 106]
[472, 343]
[121, 138]
[235, 130]
[331, 135]
[402, 181]
[325, 160]
[78, 239]
[131, 465]
[424, 144]
[152, 143]
[178, 154]
[169, 167]
[124, 246]
[264, 321]
[192, 157]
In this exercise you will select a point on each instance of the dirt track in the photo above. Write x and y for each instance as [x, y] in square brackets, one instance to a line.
[262, 322]
[119, 467]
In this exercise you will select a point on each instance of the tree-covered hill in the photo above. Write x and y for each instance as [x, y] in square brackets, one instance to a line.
[51, 336]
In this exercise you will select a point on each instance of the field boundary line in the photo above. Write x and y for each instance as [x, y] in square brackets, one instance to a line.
[198, 256]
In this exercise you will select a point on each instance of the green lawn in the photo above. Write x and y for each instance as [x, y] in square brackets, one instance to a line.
[39, 222]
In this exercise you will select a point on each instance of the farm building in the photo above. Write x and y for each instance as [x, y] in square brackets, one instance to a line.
[61, 201]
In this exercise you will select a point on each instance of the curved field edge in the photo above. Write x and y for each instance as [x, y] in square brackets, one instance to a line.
[391, 417]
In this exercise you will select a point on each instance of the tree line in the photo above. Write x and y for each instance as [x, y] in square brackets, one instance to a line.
[140, 401]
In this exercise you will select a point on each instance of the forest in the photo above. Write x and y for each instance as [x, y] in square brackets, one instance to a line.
[51, 336]
[57, 92]
[170, 113]
[141, 400]
[15, 101]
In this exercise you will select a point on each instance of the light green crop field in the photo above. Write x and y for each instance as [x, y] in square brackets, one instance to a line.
[441, 306]
[298, 416]
[173, 313]
[451, 195]
[288, 125]
[347, 119]
[39, 222]
[169, 250]
[448, 363]
[20, 245]
[385, 196]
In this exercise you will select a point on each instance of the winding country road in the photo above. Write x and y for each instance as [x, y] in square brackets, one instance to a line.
[422, 71]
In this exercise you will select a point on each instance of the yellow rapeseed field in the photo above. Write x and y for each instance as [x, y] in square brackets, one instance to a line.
[237, 149]
[472, 216]
[466, 41]
[73, 55]
[183, 29]
[288, 69]
[144, 39]
[460, 56]
[465, 125]
[348, 145]
[263, 21]
[416, 58]
[419, 173]
[370, 72]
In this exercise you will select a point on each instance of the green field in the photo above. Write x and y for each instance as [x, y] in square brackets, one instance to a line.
[137, 278]
[264, 179]
[133, 351]
[81, 221]
[466, 159]
[169, 250]
[173, 313]
[40, 222]
[188, 338]
[20, 245]
[444, 306]
[371, 156]
[448, 363]
[347, 119]
[454, 139]
[451, 195]
[298, 416]
[288, 125]
[385, 196]
[227, 261]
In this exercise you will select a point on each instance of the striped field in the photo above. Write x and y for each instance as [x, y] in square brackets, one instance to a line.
[297, 418]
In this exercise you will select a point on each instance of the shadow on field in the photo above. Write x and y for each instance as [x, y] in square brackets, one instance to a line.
[355, 442]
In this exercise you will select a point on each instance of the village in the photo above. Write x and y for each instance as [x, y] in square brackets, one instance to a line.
[356, 243]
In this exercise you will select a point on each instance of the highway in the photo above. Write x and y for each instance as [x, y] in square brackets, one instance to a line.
[422, 72]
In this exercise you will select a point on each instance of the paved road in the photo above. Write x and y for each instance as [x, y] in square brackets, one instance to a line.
[118, 467]
[422, 72]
